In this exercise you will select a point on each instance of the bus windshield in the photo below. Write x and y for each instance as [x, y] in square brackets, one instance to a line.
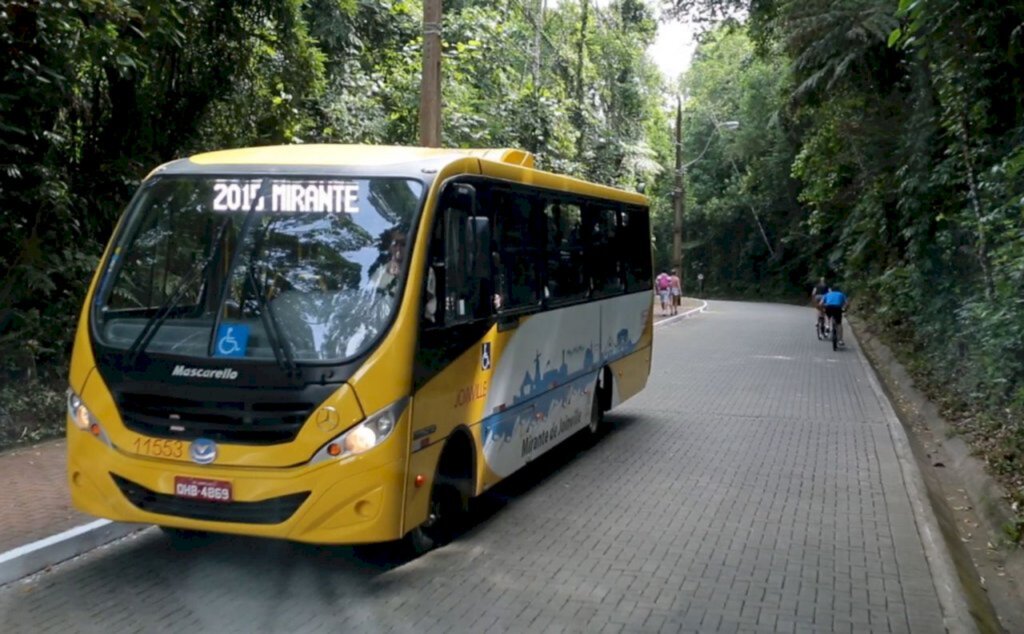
[248, 267]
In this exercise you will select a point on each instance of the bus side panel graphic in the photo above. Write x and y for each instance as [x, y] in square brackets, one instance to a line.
[544, 380]
[513, 438]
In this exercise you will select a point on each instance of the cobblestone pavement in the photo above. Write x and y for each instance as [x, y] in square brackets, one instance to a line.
[752, 487]
[34, 499]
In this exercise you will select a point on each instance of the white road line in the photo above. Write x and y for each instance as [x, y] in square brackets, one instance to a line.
[29, 559]
[703, 306]
[45, 542]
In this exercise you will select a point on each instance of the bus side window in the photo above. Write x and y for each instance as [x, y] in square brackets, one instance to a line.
[566, 277]
[636, 241]
[467, 266]
[521, 236]
[604, 251]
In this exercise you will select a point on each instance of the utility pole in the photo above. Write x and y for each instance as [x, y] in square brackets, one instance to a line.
[679, 193]
[430, 84]
[579, 114]
[537, 23]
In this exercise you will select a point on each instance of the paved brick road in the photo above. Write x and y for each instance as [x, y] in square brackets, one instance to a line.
[752, 487]
[34, 499]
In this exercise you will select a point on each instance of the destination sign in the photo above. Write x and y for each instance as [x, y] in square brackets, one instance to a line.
[331, 197]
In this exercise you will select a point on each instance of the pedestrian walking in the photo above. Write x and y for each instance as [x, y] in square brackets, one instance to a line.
[676, 290]
[663, 284]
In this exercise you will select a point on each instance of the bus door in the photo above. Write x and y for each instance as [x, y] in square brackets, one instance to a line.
[453, 356]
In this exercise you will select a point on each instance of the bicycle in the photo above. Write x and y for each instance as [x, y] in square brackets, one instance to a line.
[821, 328]
[834, 327]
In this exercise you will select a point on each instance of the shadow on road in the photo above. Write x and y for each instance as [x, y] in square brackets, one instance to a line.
[489, 506]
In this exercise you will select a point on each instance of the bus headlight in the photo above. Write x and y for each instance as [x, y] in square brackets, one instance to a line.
[364, 436]
[83, 418]
[78, 412]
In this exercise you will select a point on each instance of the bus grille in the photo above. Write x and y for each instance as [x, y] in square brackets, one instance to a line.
[272, 511]
[249, 422]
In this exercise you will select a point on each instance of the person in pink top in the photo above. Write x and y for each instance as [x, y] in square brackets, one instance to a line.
[663, 284]
[676, 290]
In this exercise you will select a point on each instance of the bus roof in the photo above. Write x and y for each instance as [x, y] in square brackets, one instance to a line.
[505, 163]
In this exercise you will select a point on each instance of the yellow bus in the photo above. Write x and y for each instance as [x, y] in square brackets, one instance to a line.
[345, 344]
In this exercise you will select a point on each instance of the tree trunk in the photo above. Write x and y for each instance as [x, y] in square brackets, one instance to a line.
[975, 199]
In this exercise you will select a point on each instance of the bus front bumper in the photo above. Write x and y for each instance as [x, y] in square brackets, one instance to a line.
[350, 501]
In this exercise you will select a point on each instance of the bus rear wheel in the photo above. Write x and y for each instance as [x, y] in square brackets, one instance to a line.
[596, 417]
[598, 407]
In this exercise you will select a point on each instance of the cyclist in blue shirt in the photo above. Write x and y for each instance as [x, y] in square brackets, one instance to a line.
[835, 302]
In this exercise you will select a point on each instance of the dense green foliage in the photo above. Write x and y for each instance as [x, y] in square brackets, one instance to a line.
[885, 150]
[95, 93]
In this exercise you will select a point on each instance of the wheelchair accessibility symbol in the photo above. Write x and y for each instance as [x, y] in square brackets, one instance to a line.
[232, 340]
[485, 356]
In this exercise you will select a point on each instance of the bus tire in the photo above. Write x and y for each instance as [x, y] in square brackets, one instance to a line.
[449, 498]
[602, 389]
[442, 520]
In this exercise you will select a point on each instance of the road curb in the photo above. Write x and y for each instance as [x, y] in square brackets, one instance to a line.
[955, 610]
[683, 315]
[23, 561]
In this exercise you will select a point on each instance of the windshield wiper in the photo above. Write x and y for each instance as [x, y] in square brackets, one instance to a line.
[250, 216]
[151, 327]
[197, 272]
[278, 342]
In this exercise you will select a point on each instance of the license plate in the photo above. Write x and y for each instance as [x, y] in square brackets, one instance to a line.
[202, 489]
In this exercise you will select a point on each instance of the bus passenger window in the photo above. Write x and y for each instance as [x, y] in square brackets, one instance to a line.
[566, 276]
[605, 251]
[636, 241]
[520, 246]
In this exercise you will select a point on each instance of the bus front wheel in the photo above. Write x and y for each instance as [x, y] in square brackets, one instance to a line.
[443, 519]
[449, 496]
